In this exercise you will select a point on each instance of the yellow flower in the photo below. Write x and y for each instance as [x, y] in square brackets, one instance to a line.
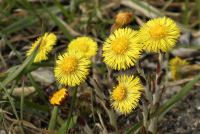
[84, 44]
[159, 34]
[121, 49]
[72, 68]
[59, 97]
[126, 94]
[175, 64]
[46, 46]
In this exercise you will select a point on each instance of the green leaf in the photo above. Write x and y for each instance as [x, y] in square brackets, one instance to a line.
[20, 24]
[31, 104]
[73, 121]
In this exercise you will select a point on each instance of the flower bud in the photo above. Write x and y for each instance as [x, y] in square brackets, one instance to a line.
[123, 19]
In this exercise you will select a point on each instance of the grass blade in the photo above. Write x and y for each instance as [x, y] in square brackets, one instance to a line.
[22, 104]
[37, 89]
[63, 10]
[11, 47]
[22, 23]
[60, 25]
[29, 60]
[73, 121]
[12, 104]
[185, 16]
[31, 104]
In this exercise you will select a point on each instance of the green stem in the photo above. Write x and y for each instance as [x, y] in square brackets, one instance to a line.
[146, 88]
[53, 120]
[71, 107]
[145, 115]
[167, 67]
[92, 106]
[153, 125]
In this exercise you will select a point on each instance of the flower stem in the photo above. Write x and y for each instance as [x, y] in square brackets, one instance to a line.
[153, 125]
[102, 99]
[146, 88]
[71, 107]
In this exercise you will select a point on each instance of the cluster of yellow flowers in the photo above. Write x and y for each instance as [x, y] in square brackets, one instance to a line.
[124, 46]
[120, 51]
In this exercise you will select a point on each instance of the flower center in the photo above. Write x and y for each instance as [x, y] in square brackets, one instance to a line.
[42, 43]
[68, 64]
[119, 93]
[157, 31]
[119, 45]
[83, 47]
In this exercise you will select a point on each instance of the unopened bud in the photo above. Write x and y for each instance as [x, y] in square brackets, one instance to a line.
[122, 19]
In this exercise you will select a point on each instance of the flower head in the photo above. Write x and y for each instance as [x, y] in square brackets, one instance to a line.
[175, 65]
[84, 44]
[46, 46]
[121, 49]
[159, 34]
[59, 97]
[72, 68]
[126, 94]
[123, 18]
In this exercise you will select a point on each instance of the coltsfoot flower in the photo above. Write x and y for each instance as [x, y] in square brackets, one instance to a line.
[159, 34]
[84, 44]
[126, 94]
[121, 49]
[45, 47]
[175, 65]
[59, 97]
[123, 18]
[72, 68]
